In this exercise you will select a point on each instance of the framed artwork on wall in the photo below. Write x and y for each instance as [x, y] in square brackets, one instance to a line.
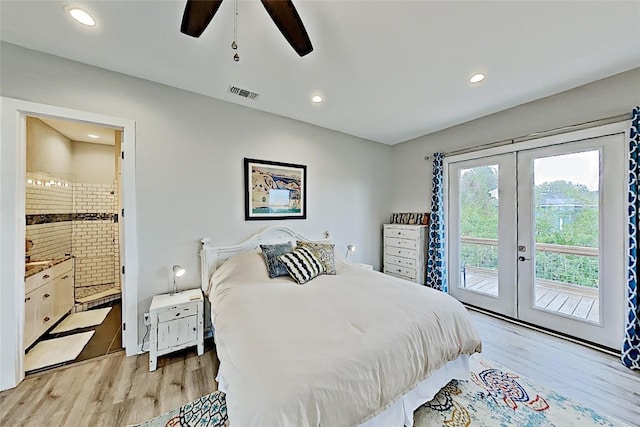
[274, 190]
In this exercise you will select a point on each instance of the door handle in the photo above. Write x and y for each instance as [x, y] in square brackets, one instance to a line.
[521, 258]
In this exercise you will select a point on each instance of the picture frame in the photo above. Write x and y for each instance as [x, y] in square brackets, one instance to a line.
[274, 190]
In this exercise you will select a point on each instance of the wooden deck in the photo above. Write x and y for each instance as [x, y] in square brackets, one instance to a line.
[572, 300]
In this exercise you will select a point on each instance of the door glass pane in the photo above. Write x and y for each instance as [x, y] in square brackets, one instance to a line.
[479, 229]
[567, 234]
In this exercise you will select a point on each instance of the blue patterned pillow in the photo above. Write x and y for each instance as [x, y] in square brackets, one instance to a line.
[271, 254]
[302, 264]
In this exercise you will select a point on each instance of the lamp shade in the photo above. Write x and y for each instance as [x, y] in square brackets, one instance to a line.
[178, 271]
[351, 248]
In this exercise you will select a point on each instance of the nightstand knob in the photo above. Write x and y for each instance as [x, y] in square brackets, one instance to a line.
[177, 314]
[194, 329]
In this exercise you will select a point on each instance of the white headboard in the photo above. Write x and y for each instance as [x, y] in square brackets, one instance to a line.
[211, 257]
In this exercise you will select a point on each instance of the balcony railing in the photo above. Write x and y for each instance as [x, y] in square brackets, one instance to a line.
[566, 276]
[575, 265]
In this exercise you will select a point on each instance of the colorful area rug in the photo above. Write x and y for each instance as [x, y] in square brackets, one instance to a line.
[494, 396]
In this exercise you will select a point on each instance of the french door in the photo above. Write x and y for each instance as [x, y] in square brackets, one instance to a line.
[538, 235]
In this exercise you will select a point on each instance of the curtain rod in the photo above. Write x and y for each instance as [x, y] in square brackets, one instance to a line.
[534, 135]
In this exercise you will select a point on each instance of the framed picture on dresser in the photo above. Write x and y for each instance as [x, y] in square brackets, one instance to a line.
[274, 190]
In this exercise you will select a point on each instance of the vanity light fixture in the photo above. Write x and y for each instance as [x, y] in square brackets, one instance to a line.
[93, 136]
[29, 181]
[178, 271]
[82, 17]
[316, 99]
[477, 78]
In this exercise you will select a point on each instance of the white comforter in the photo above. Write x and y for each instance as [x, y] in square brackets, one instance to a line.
[333, 352]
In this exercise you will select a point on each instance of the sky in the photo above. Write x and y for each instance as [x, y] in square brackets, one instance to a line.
[579, 168]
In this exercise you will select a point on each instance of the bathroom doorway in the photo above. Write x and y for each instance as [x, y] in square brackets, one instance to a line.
[72, 242]
[12, 228]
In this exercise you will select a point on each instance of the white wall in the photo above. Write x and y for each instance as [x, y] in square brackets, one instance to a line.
[47, 150]
[93, 163]
[189, 161]
[605, 98]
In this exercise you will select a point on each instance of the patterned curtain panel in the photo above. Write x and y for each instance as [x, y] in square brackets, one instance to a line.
[631, 345]
[436, 269]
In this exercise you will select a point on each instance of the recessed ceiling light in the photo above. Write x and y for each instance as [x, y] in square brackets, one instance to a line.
[476, 78]
[317, 99]
[82, 17]
[93, 136]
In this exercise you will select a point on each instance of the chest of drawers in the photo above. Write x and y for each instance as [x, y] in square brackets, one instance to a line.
[405, 248]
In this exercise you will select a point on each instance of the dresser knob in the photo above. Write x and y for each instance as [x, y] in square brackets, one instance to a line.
[46, 319]
[45, 296]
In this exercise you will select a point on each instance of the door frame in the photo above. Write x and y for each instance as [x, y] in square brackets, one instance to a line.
[572, 136]
[12, 228]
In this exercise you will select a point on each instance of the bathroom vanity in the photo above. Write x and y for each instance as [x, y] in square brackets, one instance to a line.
[48, 295]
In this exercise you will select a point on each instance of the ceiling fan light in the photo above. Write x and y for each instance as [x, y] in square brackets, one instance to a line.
[82, 17]
[477, 78]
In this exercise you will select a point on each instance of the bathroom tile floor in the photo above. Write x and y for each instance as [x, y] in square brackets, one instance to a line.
[106, 339]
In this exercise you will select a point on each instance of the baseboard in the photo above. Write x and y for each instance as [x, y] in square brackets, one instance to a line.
[546, 331]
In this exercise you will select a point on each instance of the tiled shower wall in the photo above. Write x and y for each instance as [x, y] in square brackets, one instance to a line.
[78, 219]
[95, 238]
[49, 220]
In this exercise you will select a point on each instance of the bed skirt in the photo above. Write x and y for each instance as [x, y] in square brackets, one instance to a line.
[401, 412]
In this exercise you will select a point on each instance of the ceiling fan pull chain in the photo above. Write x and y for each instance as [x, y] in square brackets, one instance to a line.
[234, 44]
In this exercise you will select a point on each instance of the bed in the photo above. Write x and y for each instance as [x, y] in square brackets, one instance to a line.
[358, 348]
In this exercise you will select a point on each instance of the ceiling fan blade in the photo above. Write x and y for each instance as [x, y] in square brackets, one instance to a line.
[286, 18]
[197, 15]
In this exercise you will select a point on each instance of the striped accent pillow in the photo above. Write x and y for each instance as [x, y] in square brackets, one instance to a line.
[302, 265]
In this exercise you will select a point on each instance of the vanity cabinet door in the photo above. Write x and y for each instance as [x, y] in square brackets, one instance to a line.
[44, 297]
[63, 295]
[30, 319]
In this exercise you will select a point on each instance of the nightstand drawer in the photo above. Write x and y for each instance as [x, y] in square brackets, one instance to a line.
[177, 332]
[402, 262]
[177, 312]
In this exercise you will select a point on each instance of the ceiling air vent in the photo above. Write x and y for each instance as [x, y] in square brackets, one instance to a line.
[243, 92]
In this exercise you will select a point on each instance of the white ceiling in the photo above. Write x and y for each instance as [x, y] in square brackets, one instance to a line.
[77, 131]
[389, 71]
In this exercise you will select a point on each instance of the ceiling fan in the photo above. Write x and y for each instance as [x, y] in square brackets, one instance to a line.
[198, 14]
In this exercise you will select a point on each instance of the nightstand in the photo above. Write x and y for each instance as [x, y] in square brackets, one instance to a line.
[176, 323]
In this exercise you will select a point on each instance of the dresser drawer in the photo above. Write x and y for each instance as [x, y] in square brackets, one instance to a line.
[400, 243]
[401, 262]
[401, 233]
[178, 312]
[401, 252]
[408, 273]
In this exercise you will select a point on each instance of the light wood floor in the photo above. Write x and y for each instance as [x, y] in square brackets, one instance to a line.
[114, 390]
